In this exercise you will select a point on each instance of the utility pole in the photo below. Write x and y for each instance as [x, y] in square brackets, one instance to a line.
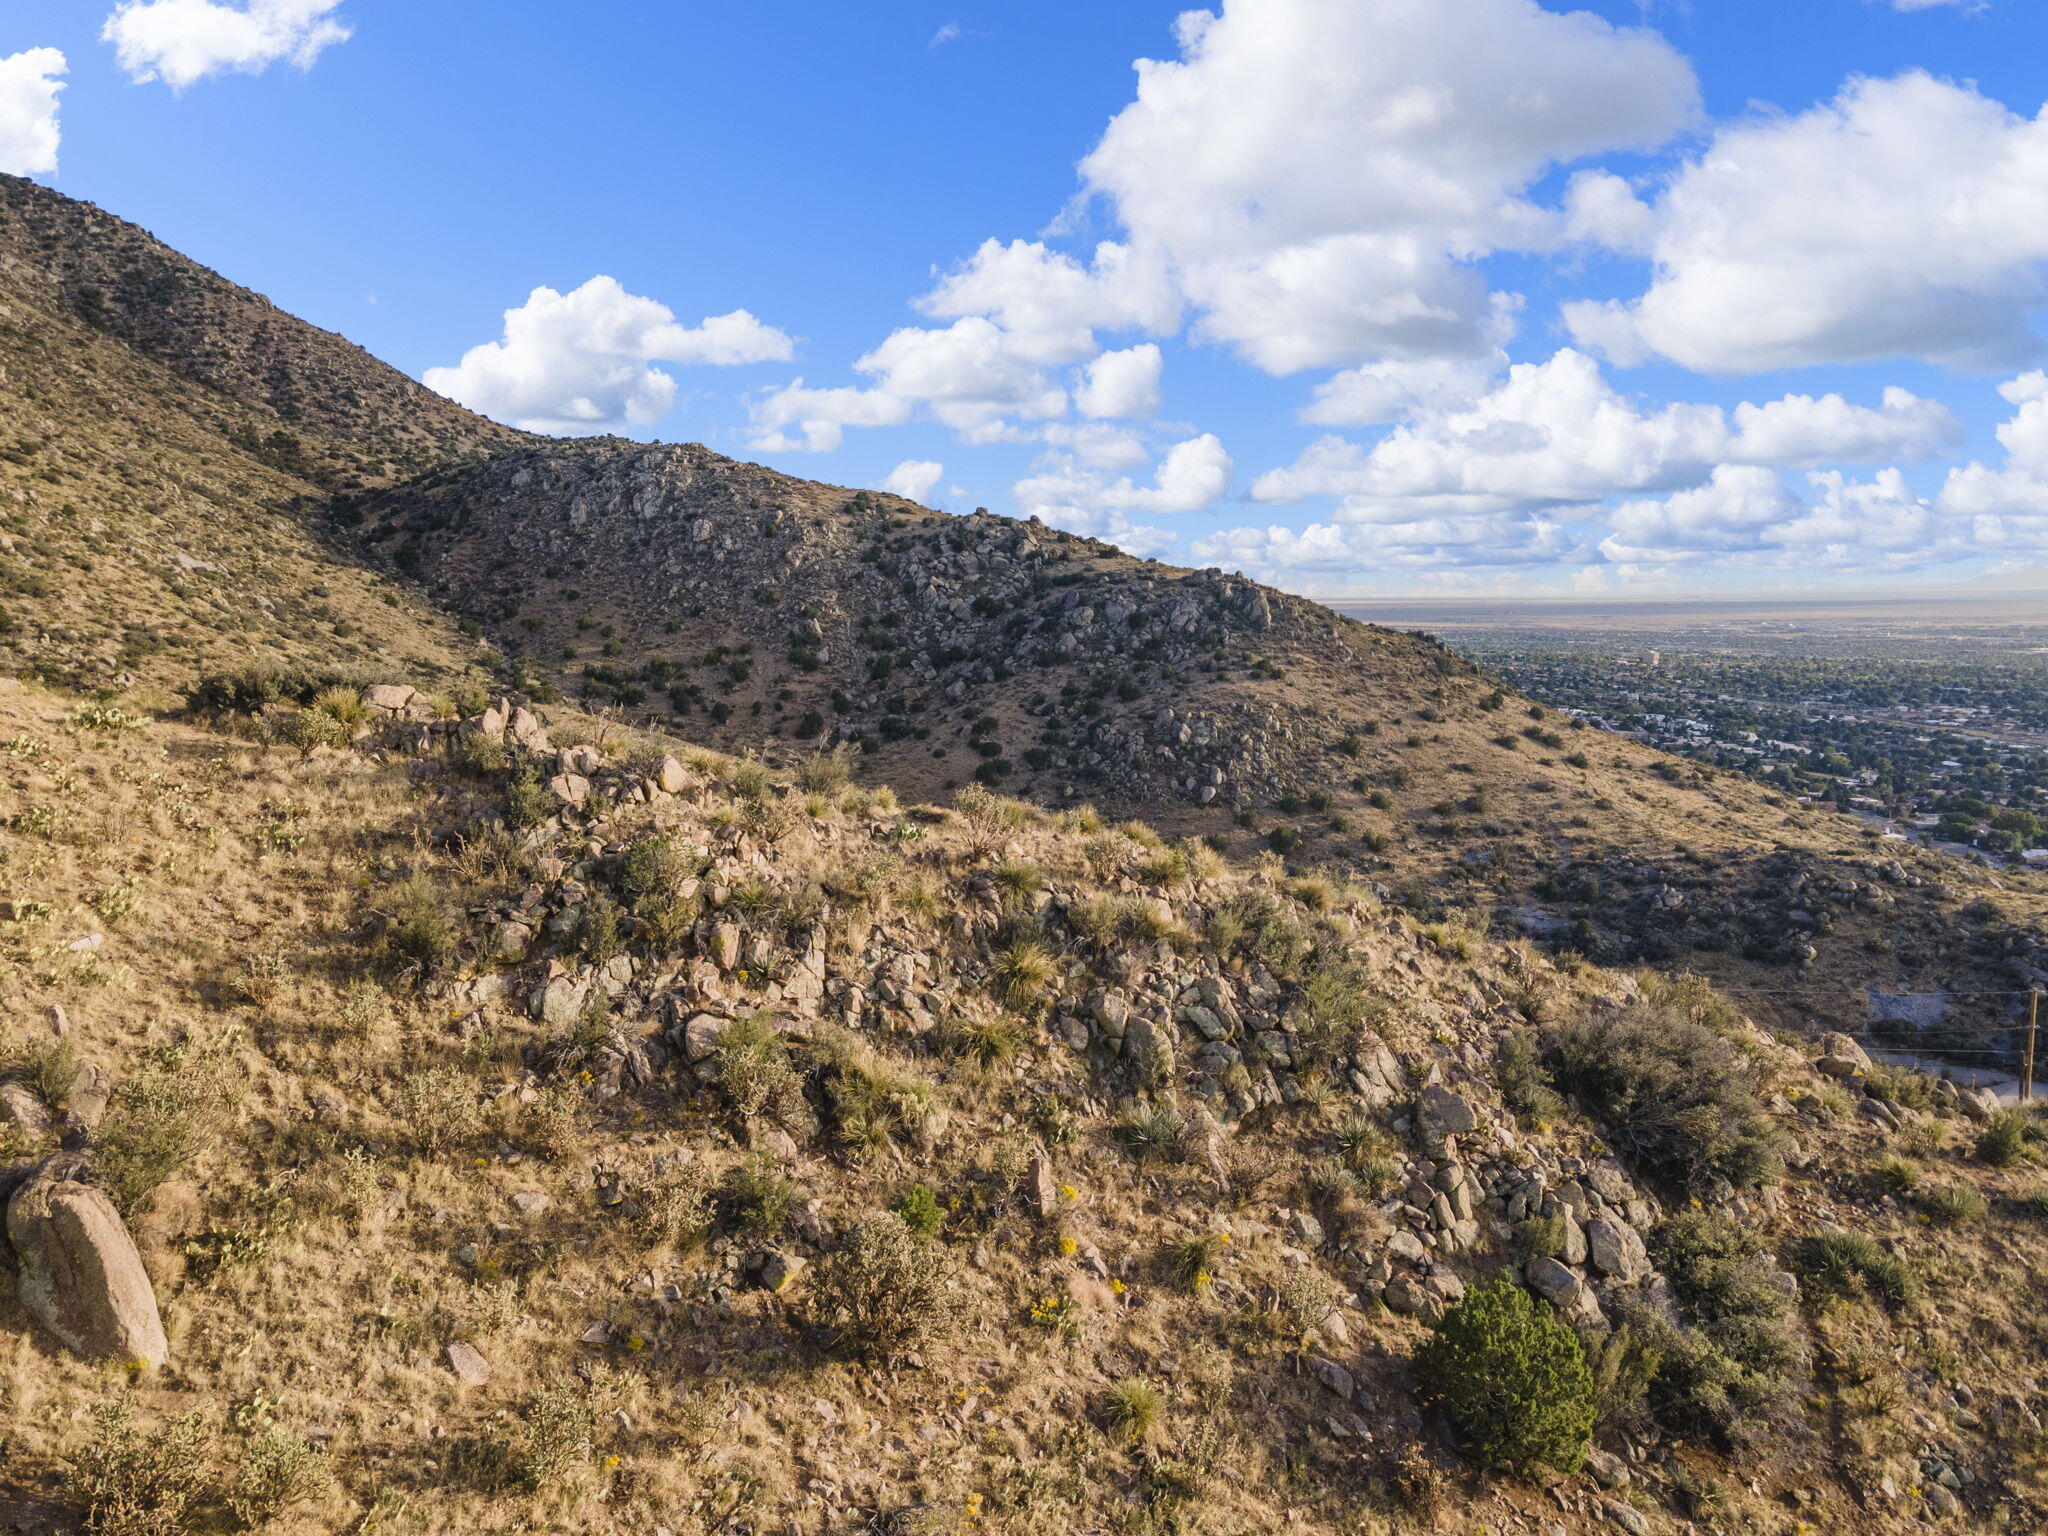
[2033, 1029]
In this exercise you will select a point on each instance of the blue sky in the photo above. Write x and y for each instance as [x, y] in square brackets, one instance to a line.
[1397, 295]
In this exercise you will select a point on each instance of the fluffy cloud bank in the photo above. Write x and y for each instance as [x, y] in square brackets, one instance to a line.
[1558, 434]
[1906, 218]
[1319, 174]
[181, 42]
[29, 83]
[584, 361]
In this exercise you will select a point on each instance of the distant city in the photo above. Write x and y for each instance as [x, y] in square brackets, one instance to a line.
[1927, 718]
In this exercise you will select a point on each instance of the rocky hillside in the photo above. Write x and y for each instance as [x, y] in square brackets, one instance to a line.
[767, 613]
[308, 401]
[195, 484]
[159, 517]
[422, 1123]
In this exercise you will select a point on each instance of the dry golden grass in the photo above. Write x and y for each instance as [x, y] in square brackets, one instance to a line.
[353, 1215]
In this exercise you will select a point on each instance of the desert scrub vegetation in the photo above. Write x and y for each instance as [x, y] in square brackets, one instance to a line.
[1514, 1378]
[161, 1116]
[1674, 1092]
[1732, 1370]
[883, 1291]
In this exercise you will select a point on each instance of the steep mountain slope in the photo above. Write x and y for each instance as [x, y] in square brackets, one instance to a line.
[311, 402]
[193, 482]
[159, 516]
[677, 1147]
[762, 610]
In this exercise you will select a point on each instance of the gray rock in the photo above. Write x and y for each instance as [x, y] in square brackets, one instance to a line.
[21, 1109]
[469, 1365]
[1608, 1469]
[1616, 1250]
[1442, 1113]
[1334, 1377]
[1628, 1517]
[81, 1277]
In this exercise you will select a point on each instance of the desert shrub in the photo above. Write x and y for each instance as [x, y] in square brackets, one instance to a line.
[882, 1292]
[754, 1198]
[1675, 1094]
[1898, 1176]
[1524, 1082]
[920, 1210]
[754, 1072]
[311, 728]
[136, 1482]
[674, 1207]
[1733, 1368]
[527, 802]
[1846, 1265]
[988, 1040]
[599, 934]
[870, 1102]
[158, 1120]
[418, 932]
[1130, 1411]
[342, 704]
[989, 818]
[1261, 929]
[277, 1470]
[440, 1110]
[1024, 971]
[1514, 1378]
[2003, 1141]
[1154, 1131]
[828, 772]
[1953, 1205]
[748, 778]
[1336, 1010]
[1017, 880]
[1190, 1262]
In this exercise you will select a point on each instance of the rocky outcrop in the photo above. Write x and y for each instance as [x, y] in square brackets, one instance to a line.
[80, 1276]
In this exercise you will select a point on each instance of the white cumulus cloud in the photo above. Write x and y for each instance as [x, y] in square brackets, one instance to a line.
[585, 361]
[913, 479]
[1908, 217]
[181, 42]
[1124, 383]
[1081, 498]
[29, 83]
[1320, 174]
[1557, 433]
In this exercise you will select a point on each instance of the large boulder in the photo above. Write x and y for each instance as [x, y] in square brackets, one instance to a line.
[81, 1277]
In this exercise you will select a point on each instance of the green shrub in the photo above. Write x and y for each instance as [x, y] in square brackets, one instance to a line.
[527, 802]
[1898, 1176]
[439, 1107]
[870, 1101]
[419, 932]
[920, 1210]
[2003, 1141]
[755, 1197]
[1845, 1265]
[1130, 1411]
[1525, 1085]
[1154, 1131]
[1672, 1092]
[158, 1120]
[1514, 1378]
[883, 1291]
[1190, 1262]
[1953, 1205]
[754, 1073]
[137, 1483]
[1732, 1370]
[277, 1471]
